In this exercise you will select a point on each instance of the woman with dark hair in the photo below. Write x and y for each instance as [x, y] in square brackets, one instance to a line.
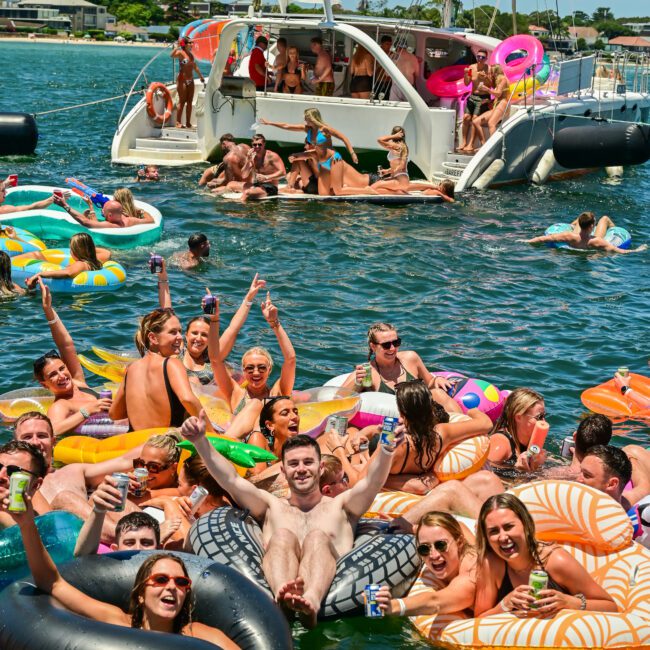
[160, 601]
[507, 551]
[7, 286]
[185, 80]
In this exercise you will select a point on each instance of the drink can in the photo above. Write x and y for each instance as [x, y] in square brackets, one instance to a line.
[623, 371]
[370, 601]
[122, 481]
[366, 382]
[18, 485]
[387, 436]
[198, 496]
[209, 304]
[105, 393]
[538, 580]
[13, 180]
[155, 263]
[565, 450]
[142, 477]
[339, 423]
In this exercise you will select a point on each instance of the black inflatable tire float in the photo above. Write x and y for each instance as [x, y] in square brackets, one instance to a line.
[18, 134]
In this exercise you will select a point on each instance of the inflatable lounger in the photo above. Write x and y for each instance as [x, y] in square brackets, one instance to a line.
[382, 199]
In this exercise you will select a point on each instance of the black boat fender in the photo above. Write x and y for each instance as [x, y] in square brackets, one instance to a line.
[230, 536]
[32, 620]
[18, 134]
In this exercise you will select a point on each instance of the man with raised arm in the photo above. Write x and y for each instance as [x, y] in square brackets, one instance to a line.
[307, 532]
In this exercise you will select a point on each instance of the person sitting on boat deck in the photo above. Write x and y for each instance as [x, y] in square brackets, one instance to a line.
[510, 435]
[8, 288]
[362, 68]
[83, 257]
[478, 74]
[500, 92]
[18, 456]
[290, 75]
[185, 80]
[258, 66]
[449, 557]
[303, 175]
[323, 71]
[112, 212]
[383, 82]
[306, 533]
[230, 168]
[125, 198]
[409, 65]
[161, 597]
[156, 391]
[389, 367]
[262, 170]
[147, 173]
[6, 208]
[395, 179]
[584, 236]
[508, 551]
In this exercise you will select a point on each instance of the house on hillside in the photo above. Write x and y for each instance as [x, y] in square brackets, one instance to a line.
[83, 15]
[538, 32]
[630, 43]
[642, 29]
[138, 33]
[589, 34]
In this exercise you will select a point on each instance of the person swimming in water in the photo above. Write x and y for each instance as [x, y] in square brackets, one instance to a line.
[185, 81]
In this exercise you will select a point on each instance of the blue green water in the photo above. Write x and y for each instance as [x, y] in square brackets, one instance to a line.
[455, 280]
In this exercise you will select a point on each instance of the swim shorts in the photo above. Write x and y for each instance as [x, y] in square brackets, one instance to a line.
[325, 89]
[269, 188]
[477, 105]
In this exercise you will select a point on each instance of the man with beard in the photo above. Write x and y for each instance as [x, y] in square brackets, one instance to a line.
[199, 247]
[304, 534]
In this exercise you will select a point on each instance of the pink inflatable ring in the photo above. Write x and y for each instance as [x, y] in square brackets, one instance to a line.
[448, 82]
[515, 68]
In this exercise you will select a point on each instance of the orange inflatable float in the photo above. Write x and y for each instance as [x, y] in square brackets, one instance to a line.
[608, 400]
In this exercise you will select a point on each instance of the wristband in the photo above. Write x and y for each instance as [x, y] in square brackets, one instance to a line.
[53, 321]
[583, 601]
[402, 607]
[339, 447]
[163, 281]
[85, 413]
[274, 323]
[99, 511]
[502, 604]
[248, 303]
[387, 450]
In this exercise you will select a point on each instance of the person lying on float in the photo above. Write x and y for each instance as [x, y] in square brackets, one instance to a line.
[112, 212]
[306, 533]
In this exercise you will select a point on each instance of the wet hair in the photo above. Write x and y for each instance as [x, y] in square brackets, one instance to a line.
[6, 283]
[41, 362]
[615, 461]
[518, 402]
[18, 446]
[587, 220]
[268, 411]
[135, 521]
[446, 521]
[261, 39]
[594, 430]
[372, 330]
[301, 440]
[421, 414]
[196, 473]
[506, 501]
[153, 322]
[196, 240]
[258, 350]
[226, 137]
[167, 441]
[83, 248]
[136, 600]
[258, 136]
[34, 415]
[125, 197]
[317, 39]
[448, 188]
[331, 467]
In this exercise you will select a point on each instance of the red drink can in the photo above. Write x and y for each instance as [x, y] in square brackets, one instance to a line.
[13, 180]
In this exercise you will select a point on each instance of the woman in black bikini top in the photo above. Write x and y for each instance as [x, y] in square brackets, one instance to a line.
[292, 75]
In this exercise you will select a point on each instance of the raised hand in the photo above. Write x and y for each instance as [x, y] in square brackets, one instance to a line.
[46, 294]
[256, 285]
[269, 310]
[193, 429]
[106, 496]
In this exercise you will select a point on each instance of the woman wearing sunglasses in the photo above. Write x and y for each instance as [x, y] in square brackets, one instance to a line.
[160, 601]
[449, 562]
[511, 434]
[508, 551]
[60, 372]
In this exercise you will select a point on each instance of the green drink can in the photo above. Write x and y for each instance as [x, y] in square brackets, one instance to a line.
[623, 371]
[366, 382]
[538, 580]
[18, 485]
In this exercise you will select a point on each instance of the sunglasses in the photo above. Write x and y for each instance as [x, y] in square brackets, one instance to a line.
[11, 469]
[387, 345]
[424, 549]
[257, 145]
[480, 57]
[539, 418]
[162, 580]
[152, 466]
[251, 368]
[39, 364]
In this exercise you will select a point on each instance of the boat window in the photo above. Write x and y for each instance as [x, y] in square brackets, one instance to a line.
[442, 52]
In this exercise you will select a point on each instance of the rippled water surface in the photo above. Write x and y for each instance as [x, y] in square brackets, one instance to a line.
[456, 281]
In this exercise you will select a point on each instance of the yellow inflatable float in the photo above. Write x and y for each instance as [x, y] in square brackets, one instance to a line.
[597, 532]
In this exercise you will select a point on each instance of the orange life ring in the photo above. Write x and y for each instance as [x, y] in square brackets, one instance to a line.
[158, 87]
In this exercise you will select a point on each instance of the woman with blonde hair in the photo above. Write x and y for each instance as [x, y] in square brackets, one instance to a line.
[125, 198]
[156, 391]
[290, 76]
[511, 434]
[500, 92]
[361, 73]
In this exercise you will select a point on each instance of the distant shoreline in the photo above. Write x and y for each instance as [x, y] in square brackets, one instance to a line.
[77, 41]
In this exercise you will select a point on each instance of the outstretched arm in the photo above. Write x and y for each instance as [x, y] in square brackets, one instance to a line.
[288, 373]
[543, 239]
[344, 139]
[226, 384]
[610, 248]
[164, 292]
[282, 125]
[451, 433]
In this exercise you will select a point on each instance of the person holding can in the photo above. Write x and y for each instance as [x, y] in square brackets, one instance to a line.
[508, 554]
[5, 208]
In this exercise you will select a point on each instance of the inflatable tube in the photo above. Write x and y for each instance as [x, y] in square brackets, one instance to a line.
[16, 402]
[449, 82]
[110, 277]
[607, 399]
[315, 405]
[239, 453]
[113, 371]
[462, 459]
[24, 242]
[205, 39]
[18, 134]
[530, 84]
[227, 536]
[190, 27]
[515, 67]
[224, 599]
[604, 144]
[616, 236]
[58, 530]
[54, 223]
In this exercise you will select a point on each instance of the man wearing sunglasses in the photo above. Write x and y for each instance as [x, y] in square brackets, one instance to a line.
[16, 456]
[307, 532]
[478, 74]
[262, 171]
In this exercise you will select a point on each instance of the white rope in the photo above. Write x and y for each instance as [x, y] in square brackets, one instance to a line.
[97, 101]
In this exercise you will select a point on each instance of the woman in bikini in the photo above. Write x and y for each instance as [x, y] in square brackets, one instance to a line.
[361, 72]
[508, 551]
[291, 76]
[185, 80]
[500, 94]
[156, 390]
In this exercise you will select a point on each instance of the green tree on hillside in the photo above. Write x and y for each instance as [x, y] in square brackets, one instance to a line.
[178, 12]
[601, 14]
[612, 29]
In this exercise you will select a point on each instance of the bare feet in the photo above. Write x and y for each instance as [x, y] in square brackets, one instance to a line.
[292, 588]
[305, 607]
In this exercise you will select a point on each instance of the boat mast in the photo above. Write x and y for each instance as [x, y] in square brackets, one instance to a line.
[514, 17]
[447, 10]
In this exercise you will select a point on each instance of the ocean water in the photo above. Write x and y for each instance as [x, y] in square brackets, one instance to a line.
[462, 289]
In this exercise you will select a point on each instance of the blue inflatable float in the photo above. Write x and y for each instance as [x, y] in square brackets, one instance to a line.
[617, 236]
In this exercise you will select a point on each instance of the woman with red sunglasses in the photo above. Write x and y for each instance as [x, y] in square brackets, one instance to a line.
[160, 601]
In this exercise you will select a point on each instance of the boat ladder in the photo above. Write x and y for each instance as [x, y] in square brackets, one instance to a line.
[172, 144]
[452, 168]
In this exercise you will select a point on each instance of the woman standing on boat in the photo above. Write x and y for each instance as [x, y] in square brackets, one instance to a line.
[185, 80]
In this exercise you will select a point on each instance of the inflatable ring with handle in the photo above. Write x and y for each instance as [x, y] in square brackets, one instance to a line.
[155, 88]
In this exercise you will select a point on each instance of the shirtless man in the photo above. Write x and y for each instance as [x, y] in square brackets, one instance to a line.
[262, 170]
[304, 534]
[234, 157]
[581, 236]
[409, 66]
[479, 100]
[198, 249]
[323, 73]
[111, 211]
[10, 209]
